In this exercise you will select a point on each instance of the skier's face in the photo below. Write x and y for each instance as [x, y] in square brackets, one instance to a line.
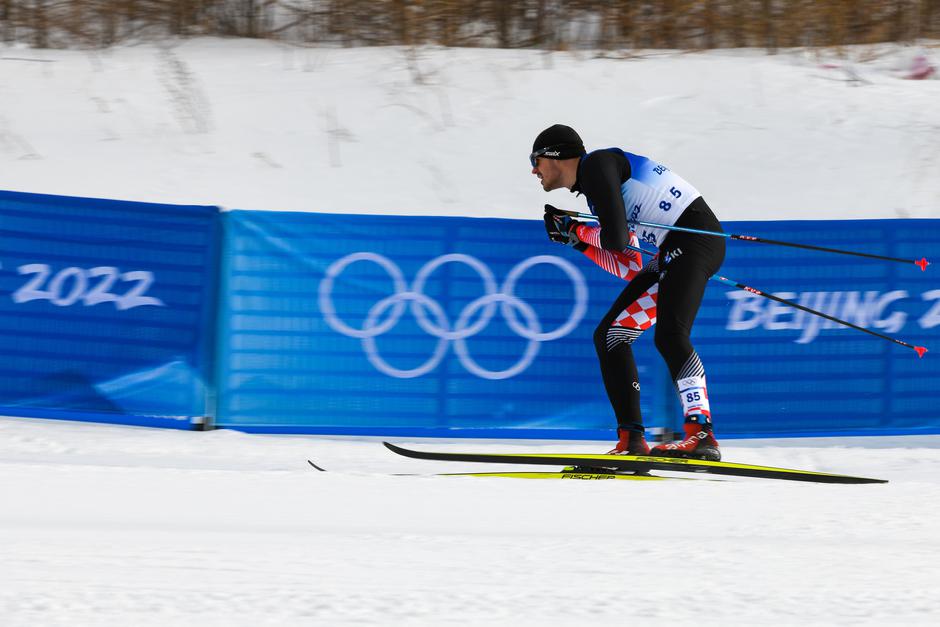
[548, 172]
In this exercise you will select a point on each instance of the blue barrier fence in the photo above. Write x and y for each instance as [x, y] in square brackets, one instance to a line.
[374, 324]
[390, 325]
[106, 309]
[773, 369]
[460, 326]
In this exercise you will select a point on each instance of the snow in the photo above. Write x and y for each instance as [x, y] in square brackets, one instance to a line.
[260, 125]
[110, 525]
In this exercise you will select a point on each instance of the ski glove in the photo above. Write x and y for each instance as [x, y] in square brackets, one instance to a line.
[562, 228]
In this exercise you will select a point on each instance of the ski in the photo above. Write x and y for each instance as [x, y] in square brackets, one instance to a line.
[636, 463]
[579, 475]
[590, 474]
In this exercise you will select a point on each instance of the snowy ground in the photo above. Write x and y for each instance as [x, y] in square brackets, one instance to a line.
[258, 125]
[105, 525]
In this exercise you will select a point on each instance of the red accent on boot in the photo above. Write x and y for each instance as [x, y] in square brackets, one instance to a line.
[630, 443]
[695, 436]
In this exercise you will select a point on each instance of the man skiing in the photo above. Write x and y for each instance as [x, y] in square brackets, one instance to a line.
[621, 189]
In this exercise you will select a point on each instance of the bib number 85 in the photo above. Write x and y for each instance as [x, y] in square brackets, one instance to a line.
[666, 205]
[92, 287]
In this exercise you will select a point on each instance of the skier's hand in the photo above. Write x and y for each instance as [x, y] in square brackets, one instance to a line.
[558, 226]
[562, 228]
[553, 229]
[555, 211]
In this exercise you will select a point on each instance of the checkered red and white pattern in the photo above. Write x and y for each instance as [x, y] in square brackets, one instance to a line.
[641, 313]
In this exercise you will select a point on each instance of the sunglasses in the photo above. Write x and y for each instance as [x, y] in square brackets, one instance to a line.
[553, 150]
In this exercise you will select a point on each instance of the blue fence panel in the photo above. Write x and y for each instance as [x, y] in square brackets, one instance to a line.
[106, 309]
[375, 324]
[773, 369]
[435, 326]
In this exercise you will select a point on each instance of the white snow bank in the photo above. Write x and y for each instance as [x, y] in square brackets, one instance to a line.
[259, 125]
[107, 525]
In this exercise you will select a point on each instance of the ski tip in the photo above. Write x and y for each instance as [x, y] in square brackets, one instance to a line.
[315, 466]
[392, 447]
[920, 350]
[923, 263]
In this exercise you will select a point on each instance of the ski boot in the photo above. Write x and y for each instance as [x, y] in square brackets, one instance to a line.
[699, 442]
[630, 443]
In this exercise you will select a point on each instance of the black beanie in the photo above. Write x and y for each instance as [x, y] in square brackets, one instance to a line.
[564, 140]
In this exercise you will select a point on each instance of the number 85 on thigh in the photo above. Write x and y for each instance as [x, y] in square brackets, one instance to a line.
[90, 287]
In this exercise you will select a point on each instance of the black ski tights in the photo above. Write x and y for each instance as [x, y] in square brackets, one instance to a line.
[682, 269]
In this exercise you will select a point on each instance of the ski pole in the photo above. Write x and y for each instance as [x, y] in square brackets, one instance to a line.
[921, 263]
[920, 350]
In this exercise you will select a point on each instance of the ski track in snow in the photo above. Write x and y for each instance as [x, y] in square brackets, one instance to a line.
[109, 525]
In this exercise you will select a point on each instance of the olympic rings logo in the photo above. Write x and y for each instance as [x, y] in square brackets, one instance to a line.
[438, 325]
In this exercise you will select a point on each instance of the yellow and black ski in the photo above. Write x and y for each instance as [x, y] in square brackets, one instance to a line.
[589, 474]
[635, 463]
[580, 475]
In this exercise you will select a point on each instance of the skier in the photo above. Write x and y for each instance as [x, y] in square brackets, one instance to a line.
[622, 188]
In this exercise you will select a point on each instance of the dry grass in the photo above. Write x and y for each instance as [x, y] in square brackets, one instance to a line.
[550, 24]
